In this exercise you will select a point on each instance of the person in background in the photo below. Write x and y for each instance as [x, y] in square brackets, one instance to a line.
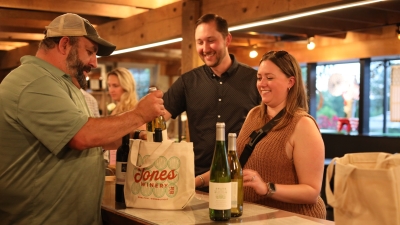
[51, 164]
[222, 90]
[92, 103]
[285, 169]
[122, 89]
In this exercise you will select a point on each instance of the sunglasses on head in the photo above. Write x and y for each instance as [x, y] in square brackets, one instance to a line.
[277, 54]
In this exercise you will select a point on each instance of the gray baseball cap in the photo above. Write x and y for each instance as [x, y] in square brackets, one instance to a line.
[70, 24]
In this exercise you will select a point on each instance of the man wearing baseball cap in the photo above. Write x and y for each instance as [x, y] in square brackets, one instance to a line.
[51, 164]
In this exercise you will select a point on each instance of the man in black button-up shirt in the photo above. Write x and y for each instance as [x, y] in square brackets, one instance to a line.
[222, 90]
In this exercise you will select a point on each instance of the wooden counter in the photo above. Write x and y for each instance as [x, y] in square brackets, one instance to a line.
[195, 213]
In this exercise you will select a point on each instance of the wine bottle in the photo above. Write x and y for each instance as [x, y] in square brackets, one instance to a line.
[158, 122]
[236, 177]
[220, 180]
[122, 159]
[158, 135]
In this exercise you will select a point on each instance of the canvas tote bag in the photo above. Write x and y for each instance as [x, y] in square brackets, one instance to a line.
[366, 188]
[160, 175]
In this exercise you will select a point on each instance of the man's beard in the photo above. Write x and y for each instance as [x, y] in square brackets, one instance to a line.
[218, 56]
[75, 65]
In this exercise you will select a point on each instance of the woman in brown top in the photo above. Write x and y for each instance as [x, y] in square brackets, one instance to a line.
[286, 167]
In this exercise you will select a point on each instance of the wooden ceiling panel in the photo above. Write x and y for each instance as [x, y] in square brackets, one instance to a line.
[79, 7]
[144, 4]
[123, 23]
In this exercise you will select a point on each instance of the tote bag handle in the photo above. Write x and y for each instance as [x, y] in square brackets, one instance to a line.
[333, 200]
[159, 149]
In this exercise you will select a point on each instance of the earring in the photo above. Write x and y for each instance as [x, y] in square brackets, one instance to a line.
[288, 89]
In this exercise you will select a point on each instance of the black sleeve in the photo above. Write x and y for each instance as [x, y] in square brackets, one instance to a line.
[175, 99]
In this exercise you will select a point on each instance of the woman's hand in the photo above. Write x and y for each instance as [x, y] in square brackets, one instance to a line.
[252, 179]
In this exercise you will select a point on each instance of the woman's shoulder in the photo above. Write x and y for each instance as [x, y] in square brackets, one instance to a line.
[304, 119]
[255, 111]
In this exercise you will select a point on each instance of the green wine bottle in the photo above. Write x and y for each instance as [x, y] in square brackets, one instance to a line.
[158, 122]
[122, 160]
[236, 177]
[220, 180]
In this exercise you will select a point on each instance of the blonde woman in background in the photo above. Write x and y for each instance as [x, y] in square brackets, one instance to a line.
[122, 90]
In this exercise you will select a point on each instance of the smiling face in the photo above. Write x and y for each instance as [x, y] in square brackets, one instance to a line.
[272, 84]
[114, 87]
[210, 44]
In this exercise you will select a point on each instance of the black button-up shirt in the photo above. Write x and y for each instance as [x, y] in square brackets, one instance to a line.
[208, 99]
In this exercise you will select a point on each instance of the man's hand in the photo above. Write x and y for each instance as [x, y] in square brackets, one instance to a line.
[150, 106]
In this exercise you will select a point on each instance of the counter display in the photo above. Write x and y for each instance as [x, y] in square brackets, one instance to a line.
[196, 212]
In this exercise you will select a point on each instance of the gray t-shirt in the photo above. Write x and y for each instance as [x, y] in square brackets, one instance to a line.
[42, 180]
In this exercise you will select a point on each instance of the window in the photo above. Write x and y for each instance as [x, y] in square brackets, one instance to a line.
[338, 93]
[142, 78]
[145, 76]
[380, 123]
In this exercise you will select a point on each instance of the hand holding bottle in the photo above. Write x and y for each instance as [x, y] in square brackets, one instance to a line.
[150, 106]
[157, 123]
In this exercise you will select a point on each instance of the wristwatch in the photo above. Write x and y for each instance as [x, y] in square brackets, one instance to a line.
[270, 189]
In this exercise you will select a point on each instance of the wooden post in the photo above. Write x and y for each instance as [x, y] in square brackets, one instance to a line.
[190, 60]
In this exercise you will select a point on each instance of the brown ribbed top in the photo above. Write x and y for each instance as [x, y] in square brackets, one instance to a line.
[270, 160]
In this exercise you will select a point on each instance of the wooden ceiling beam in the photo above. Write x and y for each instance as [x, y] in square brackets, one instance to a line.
[79, 7]
[45, 15]
[21, 30]
[21, 36]
[147, 4]
[364, 14]
[241, 11]
[159, 24]
[27, 23]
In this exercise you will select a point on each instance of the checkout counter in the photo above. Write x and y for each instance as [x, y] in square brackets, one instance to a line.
[195, 213]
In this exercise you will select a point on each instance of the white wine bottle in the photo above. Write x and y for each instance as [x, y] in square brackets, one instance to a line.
[158, 122]
[236, 177]
[220, 180]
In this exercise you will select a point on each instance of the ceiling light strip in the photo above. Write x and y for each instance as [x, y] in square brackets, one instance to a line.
[298, 15]
[147, 46]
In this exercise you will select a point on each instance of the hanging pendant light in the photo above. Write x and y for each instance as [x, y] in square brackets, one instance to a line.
[310, 44]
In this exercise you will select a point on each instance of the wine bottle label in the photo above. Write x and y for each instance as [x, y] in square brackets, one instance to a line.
[234, 200]
[165, 135]
[150, 136]
[120, 172]
[220, 196]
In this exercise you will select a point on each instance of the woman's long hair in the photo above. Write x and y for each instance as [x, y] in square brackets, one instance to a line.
[129, 98]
